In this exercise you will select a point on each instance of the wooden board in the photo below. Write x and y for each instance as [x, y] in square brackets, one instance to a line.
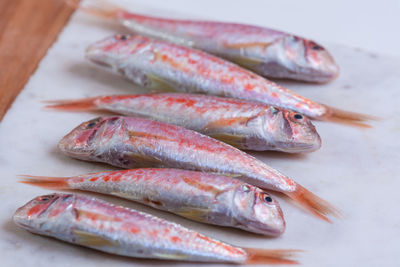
[27, 29]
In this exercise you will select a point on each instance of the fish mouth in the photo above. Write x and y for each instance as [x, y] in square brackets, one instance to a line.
[66, 145]
[21, 215]
[300, 148]
[95, 55]
[255, 228]
[99, 52]
[322, 67]
[257, 217]
[298, 134]
[273, 230]
[321, 75]
[102, 63]
[80, 140]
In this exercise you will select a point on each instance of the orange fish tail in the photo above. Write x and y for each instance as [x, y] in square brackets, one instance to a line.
[73, 105]
[348, 117]
[99, 8]
[270, 256]
[316, 205]
[45, 182]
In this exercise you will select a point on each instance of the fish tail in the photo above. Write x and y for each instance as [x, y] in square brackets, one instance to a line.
[99, 8]
[316, 205]
[73, 105]
[270, 256]
[45, 181]
[348, 117]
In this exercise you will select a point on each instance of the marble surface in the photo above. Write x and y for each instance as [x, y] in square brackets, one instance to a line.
[356, 169]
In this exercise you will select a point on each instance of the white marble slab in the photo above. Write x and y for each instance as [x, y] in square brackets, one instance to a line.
[356, 169]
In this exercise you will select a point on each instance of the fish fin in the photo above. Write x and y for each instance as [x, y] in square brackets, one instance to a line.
[159, 84]
[270, 256]
[45, 181]
[123, 194]
[246, 61]
[246, 45]
[348, 117]
[73, 105]
[195, 214]
[145, 161]
[171, 256]
[232, 175]
[98, 8]
[316, 205]
[233, 140]
[90, 239]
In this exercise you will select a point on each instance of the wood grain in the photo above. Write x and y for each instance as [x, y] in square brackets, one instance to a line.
[27, 29]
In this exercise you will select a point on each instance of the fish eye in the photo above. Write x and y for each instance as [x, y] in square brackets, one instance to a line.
[316, 47]
[45, 198]
[92, 123]
[266, 198]
[298, 116]
[122, 37]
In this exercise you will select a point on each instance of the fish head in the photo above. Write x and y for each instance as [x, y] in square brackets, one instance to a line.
[306, 60]
[83, 141]
[34, 214]
[256, 211]
[290, 131]
[110, 51]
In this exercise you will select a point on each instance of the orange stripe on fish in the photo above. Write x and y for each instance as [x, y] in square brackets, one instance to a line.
[80, 214]
[201, 186]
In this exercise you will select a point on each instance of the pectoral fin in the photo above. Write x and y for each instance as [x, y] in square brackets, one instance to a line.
[246, 45]
[171, 256]
[234, 140]
[213, 129]
[246, 61]
[233, 175]
[159, 84]
[195, 214]
[123, 195]
[144, 160]
[89, 239]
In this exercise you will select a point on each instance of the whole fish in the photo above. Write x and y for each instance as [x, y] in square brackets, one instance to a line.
[94, 223]
[129, 142]
[243, 124]
[268, 52]
[202, 197]
[159, 65]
